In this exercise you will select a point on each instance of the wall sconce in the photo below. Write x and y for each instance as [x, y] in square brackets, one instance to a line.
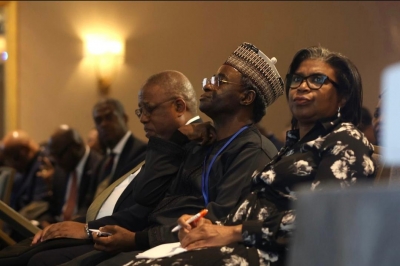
[107, 55]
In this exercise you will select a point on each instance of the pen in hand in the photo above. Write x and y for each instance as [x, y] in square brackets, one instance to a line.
[191, 219]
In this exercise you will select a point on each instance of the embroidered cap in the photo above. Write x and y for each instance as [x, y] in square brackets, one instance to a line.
[261, 70]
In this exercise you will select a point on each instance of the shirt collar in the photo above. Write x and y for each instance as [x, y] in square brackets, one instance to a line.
[121, 144]
[82, 162]
[192, 119]
[321, 127]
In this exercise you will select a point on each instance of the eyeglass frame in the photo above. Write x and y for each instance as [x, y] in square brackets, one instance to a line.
[290, 76]
[139, 112]
[215, 80]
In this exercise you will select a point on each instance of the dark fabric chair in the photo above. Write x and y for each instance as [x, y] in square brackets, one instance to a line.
[358, 226]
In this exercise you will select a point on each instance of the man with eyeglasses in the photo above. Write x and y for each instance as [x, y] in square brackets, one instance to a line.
[71, 186]
[167, 101]
[215, 177]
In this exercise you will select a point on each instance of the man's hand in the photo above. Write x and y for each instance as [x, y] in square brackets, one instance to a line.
[210, 235]
[63, 229]
[121, 240]
[202, 132]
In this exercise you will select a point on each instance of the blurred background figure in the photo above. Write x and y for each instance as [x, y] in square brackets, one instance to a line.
[124, 150]
[376, 121]
[94, 143]
[76, 166]
[366, 126]
[277, 140]
[23, 154]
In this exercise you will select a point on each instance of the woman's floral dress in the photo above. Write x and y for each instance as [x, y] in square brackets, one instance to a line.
[333, 152]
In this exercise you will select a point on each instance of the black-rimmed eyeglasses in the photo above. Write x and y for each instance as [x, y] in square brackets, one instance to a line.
[314, 81]
[216, 81]
[146, 109]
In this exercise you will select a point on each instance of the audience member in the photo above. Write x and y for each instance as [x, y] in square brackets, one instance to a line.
[234, 103]
[123, 149]
[376, 121]
[159, 119]
[78, 163]
[93, 141]
[215, 177]
[324, 94]
[21, 152]
[271, 136]
[366, 126]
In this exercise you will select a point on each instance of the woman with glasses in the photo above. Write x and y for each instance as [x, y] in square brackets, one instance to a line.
[324, 94]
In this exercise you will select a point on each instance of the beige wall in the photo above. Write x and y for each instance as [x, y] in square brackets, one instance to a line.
[57, 86]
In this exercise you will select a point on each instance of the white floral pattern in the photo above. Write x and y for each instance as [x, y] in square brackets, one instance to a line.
[266, 233]
[338, 148]
[340, 169]
[263, 214]
[317, 143]
[288, 220]
[241, 211]
[332, 151]
[302, 168]
[227, 250]
[368, 165]
[348, 155]
[268, 176]
[267, 256]
[235, 260]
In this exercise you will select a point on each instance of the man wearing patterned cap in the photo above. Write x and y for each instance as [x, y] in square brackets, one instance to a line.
[216, 176]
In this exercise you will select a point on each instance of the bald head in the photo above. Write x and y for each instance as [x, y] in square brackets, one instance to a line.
[166, 101]
[175, 84]
[66, 147]
[19, 149]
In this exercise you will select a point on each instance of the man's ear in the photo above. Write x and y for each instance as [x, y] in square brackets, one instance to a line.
[180, 106]
[248, 97]
[125, 116]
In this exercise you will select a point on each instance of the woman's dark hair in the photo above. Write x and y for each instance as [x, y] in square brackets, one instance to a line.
[347, 76]
[259, 108]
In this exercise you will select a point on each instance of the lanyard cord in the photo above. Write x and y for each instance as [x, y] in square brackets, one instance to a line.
[205, 174]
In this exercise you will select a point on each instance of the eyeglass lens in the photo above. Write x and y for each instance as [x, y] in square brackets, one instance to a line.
[314, 81]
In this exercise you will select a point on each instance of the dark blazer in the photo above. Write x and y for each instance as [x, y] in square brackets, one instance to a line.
[126, 208]
[60, 183]
[132, 154]
[28, 186]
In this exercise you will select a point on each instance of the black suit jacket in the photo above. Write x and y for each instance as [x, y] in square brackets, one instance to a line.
[60, 183]
[132, 154]
[127, 212]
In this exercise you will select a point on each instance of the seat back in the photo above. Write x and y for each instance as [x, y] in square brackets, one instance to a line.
[6, 183]
[383, 173]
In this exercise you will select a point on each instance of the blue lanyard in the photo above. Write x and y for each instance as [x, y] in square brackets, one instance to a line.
[205, 174]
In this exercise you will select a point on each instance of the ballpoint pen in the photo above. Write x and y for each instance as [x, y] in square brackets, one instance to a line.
[191, 219]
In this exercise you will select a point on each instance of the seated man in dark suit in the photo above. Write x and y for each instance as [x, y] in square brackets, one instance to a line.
[76, 164]
[235, 99]
[23, 154]
[163, 122]
[123, 149]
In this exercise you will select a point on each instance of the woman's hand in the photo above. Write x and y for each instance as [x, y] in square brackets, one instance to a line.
[202, 132]
[187, 227]
[210, 235]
